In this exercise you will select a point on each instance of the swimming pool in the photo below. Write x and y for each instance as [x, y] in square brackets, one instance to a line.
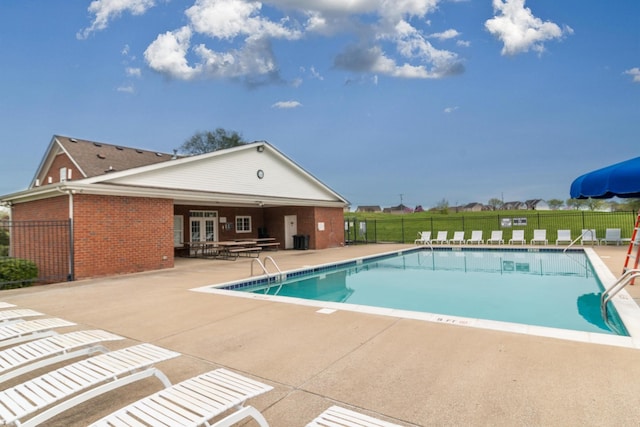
[538, 288]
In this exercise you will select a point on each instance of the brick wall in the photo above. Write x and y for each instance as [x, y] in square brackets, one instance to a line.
[333, 234]
[46, 242]
[115, 235]
[308, 219]
[60, 161]
[54, 208]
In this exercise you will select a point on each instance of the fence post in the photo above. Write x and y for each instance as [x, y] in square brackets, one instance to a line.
[71, 276]
[375, 230]
[402, 222]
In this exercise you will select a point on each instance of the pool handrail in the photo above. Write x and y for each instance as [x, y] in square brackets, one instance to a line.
[263, 264]
[607, 295]
[578, 238]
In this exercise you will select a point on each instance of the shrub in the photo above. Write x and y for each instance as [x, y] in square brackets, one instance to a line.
[17, 273]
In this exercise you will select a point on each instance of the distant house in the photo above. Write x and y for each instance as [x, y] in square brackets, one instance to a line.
[368, 209]
[472, 207]
[513, 206]
[398, 209]
[537, 205]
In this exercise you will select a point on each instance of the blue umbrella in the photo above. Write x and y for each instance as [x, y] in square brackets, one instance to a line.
[619, 180]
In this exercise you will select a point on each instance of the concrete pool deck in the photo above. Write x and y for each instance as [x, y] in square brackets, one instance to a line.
[406, 371]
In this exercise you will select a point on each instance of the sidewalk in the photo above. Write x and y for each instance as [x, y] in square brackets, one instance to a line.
[406, 371]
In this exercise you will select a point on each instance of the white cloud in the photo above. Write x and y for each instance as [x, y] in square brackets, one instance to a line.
[227, 19]
[315, 74]
[286, 104]
[235, 37]
[445, 35]
[634, 73]
[519, 30]
[106, 10]
[133, 72]
[463, 43]
[126, 88]
[167, 54]
[450, 110]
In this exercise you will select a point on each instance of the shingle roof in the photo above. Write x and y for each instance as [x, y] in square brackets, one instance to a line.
[97, 158]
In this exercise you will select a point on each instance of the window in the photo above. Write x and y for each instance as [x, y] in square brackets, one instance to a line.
[63, 174]
[178, 230]
[243, 224]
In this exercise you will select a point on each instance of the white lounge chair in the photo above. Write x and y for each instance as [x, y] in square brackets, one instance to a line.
[194, 402]
[19, 332]
[476, 237]
[517, 237]
[336, 416]
[83, 380]
[441, 237]
[424, 237]
[612, 235]
[564, 236]
[588, 236]
[496, 237]
[33, 355]
[539, 236]
[17, 314]
[458, 237]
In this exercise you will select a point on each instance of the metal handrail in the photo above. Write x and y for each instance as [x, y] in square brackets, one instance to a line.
[613, 290]
[578, 238]
[269, 258]
[266, 272]
[264, 269]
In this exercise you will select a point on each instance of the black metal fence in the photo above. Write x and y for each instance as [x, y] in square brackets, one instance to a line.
[405, 228]
[46, 243]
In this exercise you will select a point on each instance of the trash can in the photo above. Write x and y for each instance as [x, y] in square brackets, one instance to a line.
[301, 241]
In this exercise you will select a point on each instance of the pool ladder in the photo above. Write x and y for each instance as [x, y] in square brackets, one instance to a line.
[263, 264]
[626, 278]
[578, 238]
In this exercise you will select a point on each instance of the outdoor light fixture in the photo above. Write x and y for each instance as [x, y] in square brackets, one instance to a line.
[260, 148]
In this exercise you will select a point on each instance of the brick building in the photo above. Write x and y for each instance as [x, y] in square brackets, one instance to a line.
[132, 210]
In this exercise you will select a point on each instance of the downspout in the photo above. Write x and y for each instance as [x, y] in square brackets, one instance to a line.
[70, 193]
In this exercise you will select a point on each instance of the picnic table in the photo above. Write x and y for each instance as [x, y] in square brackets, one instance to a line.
[234, 248]
[264, 242]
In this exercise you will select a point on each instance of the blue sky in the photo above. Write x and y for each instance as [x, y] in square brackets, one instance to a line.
[412, 100]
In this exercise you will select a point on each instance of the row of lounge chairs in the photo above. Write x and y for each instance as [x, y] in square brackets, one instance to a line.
[587, 236]
[215, 398]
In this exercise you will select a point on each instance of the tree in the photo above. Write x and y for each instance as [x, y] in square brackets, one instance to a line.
[632, 204]
[206, 142]
[596, 204]
[495, 203]
[555, 204]
[443, 206]
[576, 203]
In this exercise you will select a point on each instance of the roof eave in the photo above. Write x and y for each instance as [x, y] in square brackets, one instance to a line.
[178, 196]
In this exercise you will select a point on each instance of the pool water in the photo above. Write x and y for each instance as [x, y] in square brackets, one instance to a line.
[545, 288]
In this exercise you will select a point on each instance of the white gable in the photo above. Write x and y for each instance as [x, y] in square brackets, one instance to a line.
[233, 171]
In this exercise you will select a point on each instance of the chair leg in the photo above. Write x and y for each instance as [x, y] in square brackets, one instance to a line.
[241, 413]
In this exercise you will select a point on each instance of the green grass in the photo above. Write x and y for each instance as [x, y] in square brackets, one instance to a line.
[382, 227]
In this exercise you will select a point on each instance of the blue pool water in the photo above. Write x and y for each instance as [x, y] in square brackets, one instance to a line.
[545, 288]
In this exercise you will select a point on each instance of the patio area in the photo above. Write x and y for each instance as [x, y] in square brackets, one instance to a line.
[410, 372]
